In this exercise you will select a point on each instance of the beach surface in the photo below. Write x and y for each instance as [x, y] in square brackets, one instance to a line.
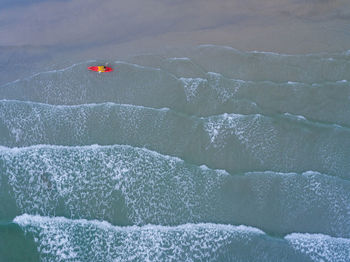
[223, 133]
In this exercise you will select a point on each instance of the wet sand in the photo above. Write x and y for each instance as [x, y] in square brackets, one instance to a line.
[288, 26]
[53, 34]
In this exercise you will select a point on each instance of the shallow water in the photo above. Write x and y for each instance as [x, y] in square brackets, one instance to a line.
[211, 155]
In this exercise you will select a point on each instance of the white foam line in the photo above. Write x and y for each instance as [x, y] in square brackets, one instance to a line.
[26, 219]
[316, 247]
[303, 174]
[312, 122]
[15, 150]
[69, 67]
[165, 109]
[277, 83]
[242, 52]
[221, 46]
[179, 59]
[281, 83]
[286, 115]
[47, 72]
[297, 117]
[138, 66]
[272, 53]
[314, 236]
[293, 83]
[269, 52]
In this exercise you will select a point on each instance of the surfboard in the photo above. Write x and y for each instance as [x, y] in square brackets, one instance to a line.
[100, 69]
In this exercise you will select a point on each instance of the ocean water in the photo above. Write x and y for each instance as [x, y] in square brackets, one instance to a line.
[212, 154]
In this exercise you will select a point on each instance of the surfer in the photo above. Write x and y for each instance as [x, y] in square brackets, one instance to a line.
[100, 69]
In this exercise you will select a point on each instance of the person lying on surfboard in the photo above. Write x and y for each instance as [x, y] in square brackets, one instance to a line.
[100, 69]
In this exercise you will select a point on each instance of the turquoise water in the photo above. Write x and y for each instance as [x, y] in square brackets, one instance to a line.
[211, 155]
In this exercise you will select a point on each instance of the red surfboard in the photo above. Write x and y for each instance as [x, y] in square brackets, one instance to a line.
[100, 69]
